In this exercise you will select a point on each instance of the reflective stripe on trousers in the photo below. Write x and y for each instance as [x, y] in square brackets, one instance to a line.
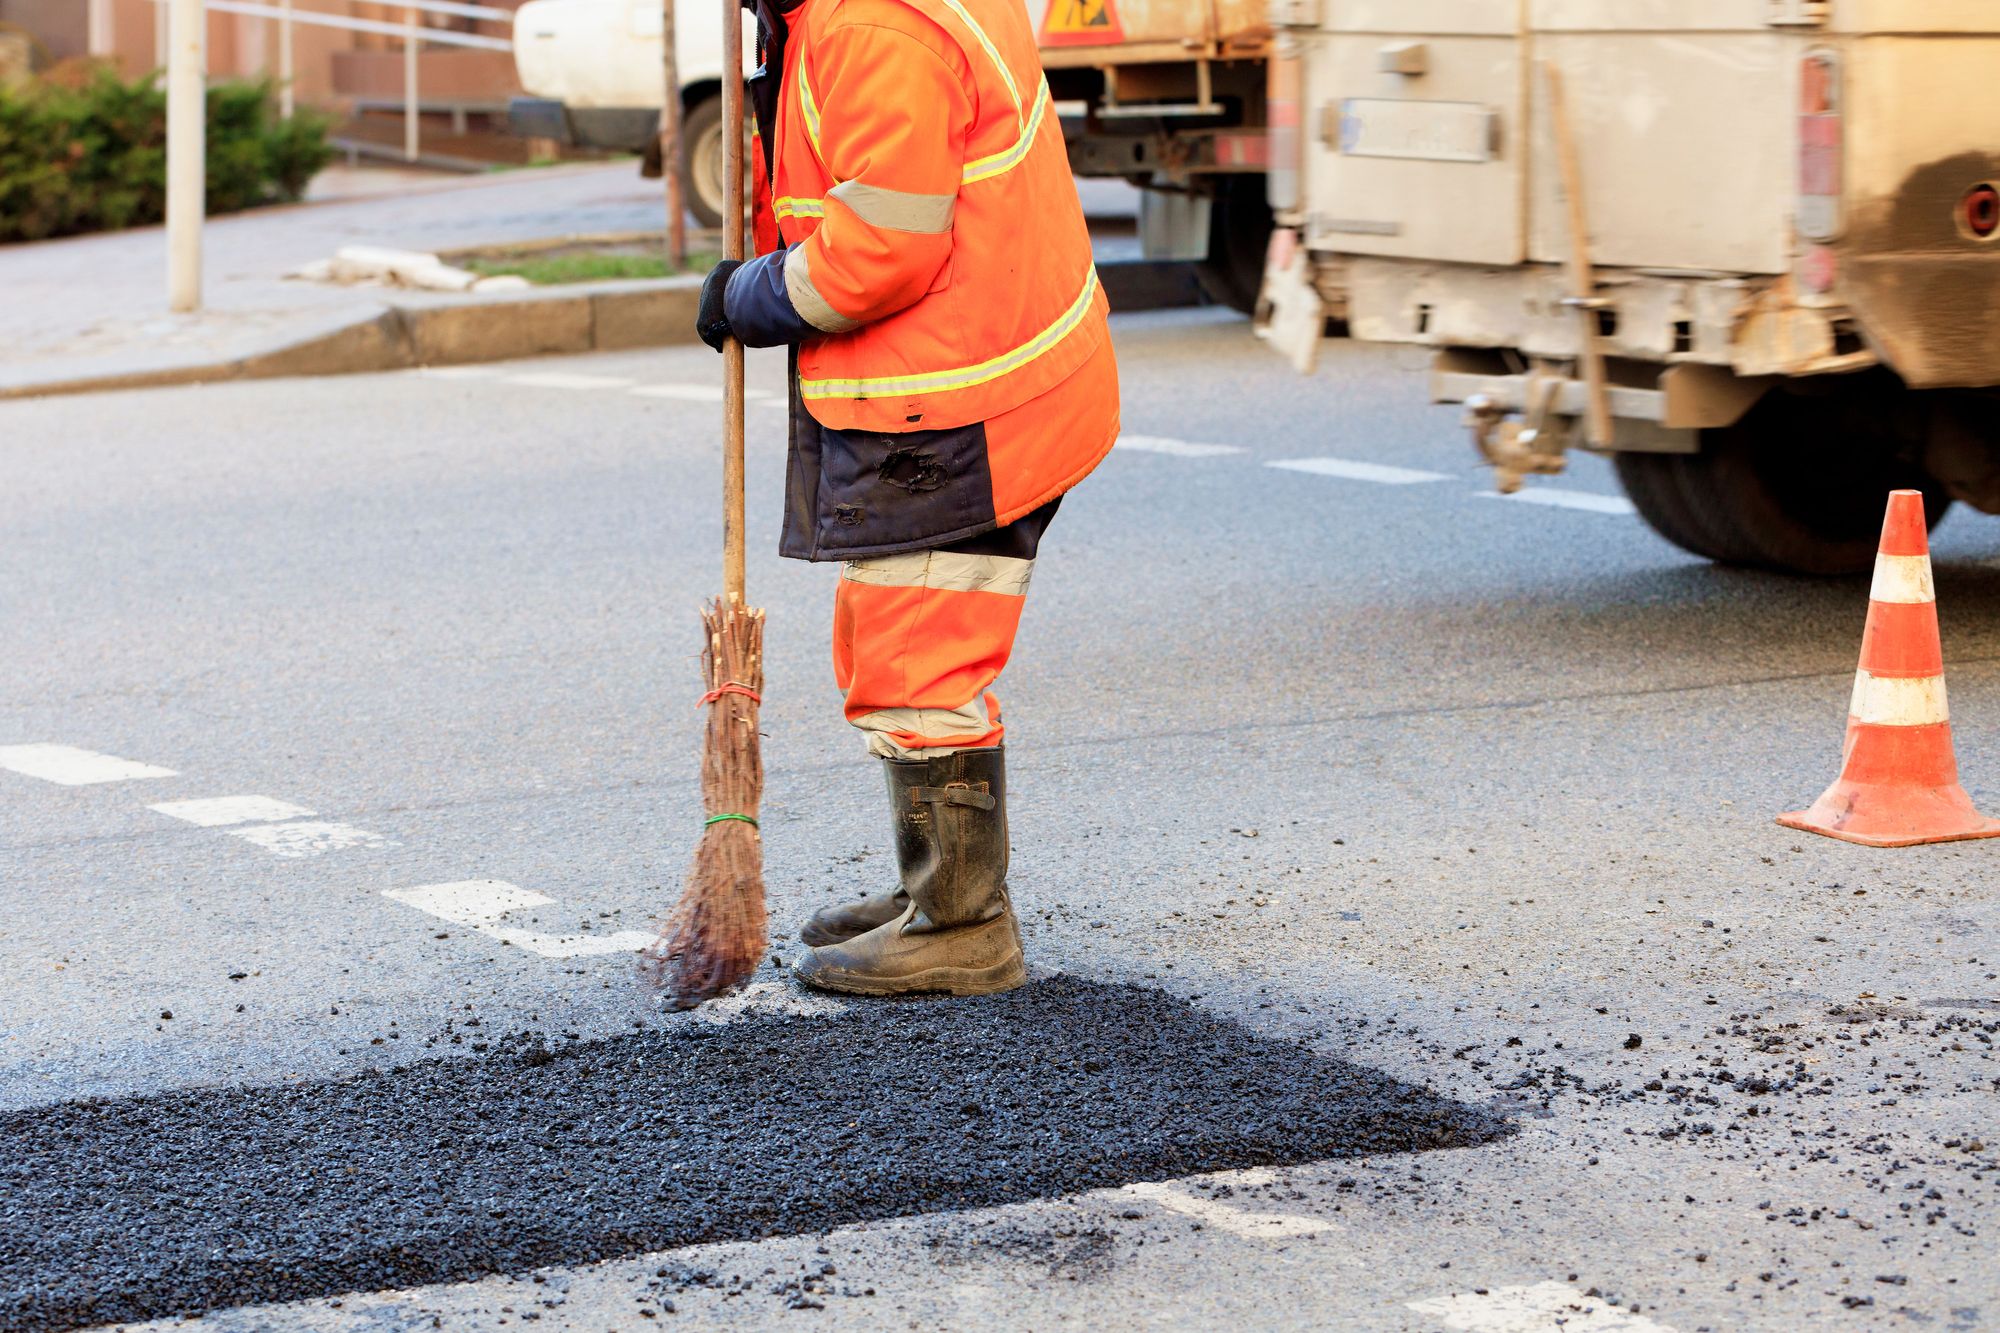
[918, 638]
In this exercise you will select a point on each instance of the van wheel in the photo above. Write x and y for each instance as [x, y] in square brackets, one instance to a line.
[1239, 232]
[702, 168]
[1790, 487]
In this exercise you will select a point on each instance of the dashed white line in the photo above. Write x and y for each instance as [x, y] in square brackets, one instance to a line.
[1543, 1308]
[696, 393]
[563, 379]
[71, 767]
[1160, 444]
[1354, 470]
[469, 902]
[221, 811]
[480, 903]
[1556, 497]
[297, 841]
[1185, 1200]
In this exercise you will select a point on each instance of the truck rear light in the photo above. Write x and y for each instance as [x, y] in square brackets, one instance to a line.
[1981, 211]
[1820, 143]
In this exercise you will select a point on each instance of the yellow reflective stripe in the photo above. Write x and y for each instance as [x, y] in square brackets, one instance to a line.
[785, 206]
[965, 377]
[809, 105]
[996, 164]
[992, 53]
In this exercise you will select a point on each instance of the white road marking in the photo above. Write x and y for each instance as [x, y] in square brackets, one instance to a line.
[1160, 444]
[696, 393]
[480, 903]
[1354, 470]
[469, 902]
[297, 841]
[457, 372]
[563, 379]
[71, 767]
[1188, 1202]
[1546, 1307]
[1556, 497]
[219, 811]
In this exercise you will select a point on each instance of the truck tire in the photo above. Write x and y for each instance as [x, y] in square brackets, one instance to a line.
[1790, 487]
[1654, 485]
[702, 160]
[1239, 232]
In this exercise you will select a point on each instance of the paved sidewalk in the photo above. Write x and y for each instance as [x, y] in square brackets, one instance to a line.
[94, 307]
[90, 311]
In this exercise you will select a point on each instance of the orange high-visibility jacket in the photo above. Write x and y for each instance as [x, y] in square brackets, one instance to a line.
[953, 362]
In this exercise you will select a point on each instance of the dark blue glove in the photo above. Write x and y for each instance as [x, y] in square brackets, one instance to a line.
[711, 320]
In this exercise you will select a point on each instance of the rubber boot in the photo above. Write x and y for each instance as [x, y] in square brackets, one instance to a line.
[958, 933]
[843, 921]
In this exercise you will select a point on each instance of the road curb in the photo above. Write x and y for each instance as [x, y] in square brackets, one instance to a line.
[577, 317]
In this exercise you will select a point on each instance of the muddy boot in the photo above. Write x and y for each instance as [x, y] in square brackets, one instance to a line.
[843, 921]
[958, 933]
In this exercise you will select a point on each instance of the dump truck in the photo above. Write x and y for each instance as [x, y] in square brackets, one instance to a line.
[1748, 248]
[1170, 95]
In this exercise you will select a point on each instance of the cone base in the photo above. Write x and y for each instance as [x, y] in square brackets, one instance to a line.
[1899, 816]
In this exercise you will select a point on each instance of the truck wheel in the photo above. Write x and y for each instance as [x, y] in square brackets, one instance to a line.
[702, 165]
[1789, 488]
[1654, 485]
[1239, 231]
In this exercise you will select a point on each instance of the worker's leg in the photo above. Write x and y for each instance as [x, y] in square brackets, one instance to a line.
[918, 640]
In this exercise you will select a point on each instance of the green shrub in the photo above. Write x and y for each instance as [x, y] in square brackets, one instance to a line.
[92, 156]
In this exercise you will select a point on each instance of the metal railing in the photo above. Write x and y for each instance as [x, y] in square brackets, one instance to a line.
[413, 34]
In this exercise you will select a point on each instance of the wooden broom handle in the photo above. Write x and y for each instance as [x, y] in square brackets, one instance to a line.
[732, 350]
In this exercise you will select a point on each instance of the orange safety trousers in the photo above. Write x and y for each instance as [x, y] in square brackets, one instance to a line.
[919, 637]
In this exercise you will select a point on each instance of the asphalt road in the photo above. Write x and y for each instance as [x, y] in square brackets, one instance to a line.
[1472, 794]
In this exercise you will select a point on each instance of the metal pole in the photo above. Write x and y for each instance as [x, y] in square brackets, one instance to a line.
[671, 150]
[285, 67]
[103, 35]
[161, 17]
[410, 83]
[186, 153]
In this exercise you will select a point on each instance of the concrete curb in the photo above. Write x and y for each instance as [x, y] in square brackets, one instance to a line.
[442, 331]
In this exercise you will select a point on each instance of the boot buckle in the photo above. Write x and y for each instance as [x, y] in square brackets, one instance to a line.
[954, 793]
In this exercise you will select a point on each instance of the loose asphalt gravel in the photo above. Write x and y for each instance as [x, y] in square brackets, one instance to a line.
[536, 1154]
[1476, 794]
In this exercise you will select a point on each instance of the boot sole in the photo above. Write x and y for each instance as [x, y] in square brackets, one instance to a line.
[937, 980]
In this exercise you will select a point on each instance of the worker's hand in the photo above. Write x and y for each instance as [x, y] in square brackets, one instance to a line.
[711, 321]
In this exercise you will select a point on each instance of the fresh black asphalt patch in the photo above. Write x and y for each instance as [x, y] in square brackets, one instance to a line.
[531, 1155]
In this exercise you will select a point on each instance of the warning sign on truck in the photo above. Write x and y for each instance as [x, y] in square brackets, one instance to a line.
[1080, 23]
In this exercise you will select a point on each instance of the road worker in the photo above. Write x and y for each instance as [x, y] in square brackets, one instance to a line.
[923, 253]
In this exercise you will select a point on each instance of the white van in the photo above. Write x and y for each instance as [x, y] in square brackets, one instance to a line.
[591, 69]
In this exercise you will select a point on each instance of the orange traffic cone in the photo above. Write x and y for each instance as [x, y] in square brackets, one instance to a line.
[1898, 783]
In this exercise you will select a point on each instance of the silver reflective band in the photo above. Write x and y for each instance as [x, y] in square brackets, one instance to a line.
[968, 724]
[897, 210]
[948, 571]
[812, 307]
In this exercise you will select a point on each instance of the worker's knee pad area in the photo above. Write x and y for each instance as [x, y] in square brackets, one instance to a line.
[533, 1153]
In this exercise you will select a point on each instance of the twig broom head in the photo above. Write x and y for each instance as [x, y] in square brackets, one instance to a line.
[716, 935]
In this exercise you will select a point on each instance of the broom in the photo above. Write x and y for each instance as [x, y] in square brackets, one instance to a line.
[715, 938]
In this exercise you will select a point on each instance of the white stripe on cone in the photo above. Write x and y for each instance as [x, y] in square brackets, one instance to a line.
[1893, 701]
[1903, 579]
